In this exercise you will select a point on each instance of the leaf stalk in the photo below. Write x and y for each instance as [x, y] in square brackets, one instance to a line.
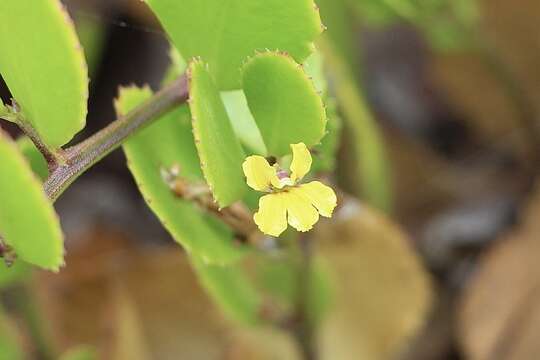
[79, 158]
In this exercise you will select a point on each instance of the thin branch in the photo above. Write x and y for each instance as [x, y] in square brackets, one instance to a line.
[237, 216]
[81, 157]
[54, 158]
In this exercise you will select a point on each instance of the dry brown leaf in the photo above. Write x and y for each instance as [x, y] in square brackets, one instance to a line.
[383, 294]
[381, 301]
[499, 315]
[145, 304]
[82, 302]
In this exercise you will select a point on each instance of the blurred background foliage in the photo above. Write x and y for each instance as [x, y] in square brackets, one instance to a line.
[439, 106]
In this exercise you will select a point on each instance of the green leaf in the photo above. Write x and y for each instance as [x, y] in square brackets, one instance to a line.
[230, 287]
[92, 36]
[244, 289]
[314, 68]
[382, 293]
[43, 65]
[177, 67]
[28, 222]
[34, 157]
[445, 35]
[219, 149]
[284, 102]
[243, 123]
[381, 13]
[225, 32]
[446, 24]
[10, 344]
[324, 155]
[278, 278]
[20, 270]
[168, 142]
[16, 273]
[372, 170]
[340, 20]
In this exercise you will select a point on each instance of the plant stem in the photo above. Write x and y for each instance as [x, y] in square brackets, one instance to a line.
[81, 157]
[54, 158]
[237, 216]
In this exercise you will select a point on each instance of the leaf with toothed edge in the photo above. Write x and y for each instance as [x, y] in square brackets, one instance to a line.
[219, 149]
[284, 102]
[20, 270]
[167, 142]
[225, 32]
[43, 65]
[340, 20]
[314, 68]
[324, 154]
[28, 222]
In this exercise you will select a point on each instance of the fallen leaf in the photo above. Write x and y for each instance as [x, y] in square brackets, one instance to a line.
[133, 303]
[499, 313]
[382, 293]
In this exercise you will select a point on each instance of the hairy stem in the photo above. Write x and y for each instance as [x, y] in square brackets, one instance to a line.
[81, 157]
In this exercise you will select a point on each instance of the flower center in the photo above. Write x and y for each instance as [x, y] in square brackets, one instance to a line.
[284, 179]
[282, 174]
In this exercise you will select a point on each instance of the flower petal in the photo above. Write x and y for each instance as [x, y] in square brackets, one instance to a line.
[272, 215]
[260, 175]
[321, 196]
[301, 214]
[301, 161]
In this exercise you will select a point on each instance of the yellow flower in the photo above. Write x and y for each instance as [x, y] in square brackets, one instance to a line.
[287, 200]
